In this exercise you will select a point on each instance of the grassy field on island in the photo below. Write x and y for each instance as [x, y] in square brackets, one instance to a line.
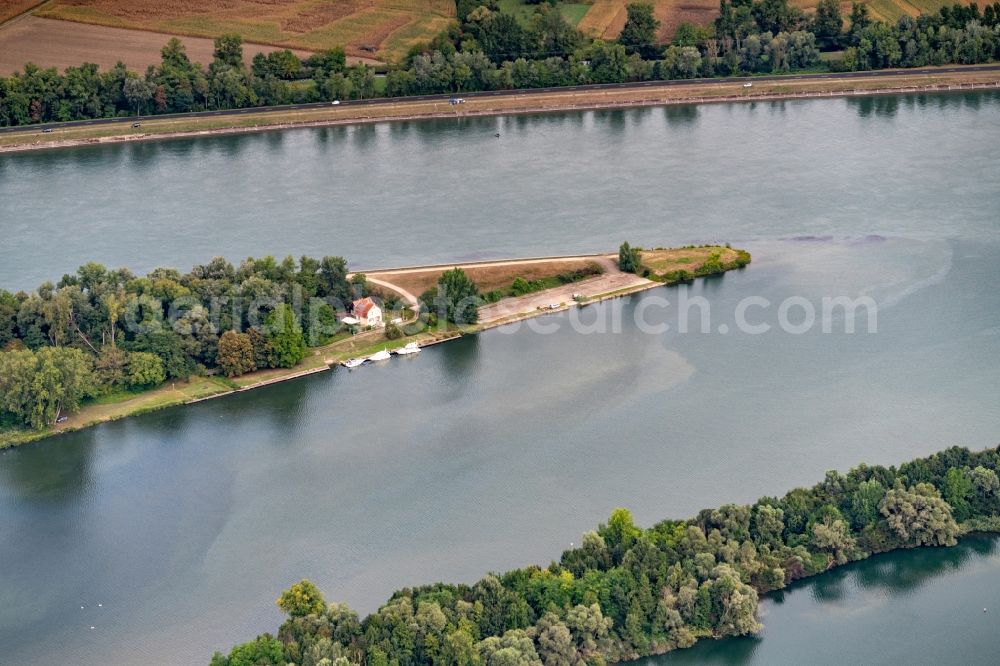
[120, 405]
[663, 261]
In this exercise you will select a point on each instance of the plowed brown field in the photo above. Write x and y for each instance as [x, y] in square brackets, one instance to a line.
[372, 28]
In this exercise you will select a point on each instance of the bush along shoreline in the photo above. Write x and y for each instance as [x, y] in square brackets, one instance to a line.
[629, 592]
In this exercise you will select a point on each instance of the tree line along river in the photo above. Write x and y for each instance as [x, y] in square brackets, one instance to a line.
[176, 530]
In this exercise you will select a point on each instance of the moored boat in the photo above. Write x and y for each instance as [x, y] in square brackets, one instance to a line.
[379, 356]
[353, 362]
[409, 348]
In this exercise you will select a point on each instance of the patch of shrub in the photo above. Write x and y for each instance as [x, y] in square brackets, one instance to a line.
[393, 332]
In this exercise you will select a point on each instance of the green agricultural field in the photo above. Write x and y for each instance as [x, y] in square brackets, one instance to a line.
[571, 11]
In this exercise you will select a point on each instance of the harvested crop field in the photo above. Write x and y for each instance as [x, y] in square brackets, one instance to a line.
[885, 10]
[366, 28]
[60, 44]
[605, 18]
[11, 8]
[487, 277]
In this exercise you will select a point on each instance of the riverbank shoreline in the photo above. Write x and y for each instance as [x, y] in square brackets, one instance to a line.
[969, 529]
[650, 591]
[927, 81]
[609, 283]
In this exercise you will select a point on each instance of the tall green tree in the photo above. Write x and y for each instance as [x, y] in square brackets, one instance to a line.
[828, 24]
[285, 333]
[302, 598]
[639, 33]
[456, 298]
[608, 63]
[229, 51]
[918, 516]
[138, 92]
[36, 387]
[9, 305]
[629, 258]
[145, 370]
[236, 355]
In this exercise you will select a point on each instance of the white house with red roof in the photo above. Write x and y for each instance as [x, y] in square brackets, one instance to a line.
[367, 312]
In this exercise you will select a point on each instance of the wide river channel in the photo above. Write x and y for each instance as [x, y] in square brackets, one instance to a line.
[158, 539]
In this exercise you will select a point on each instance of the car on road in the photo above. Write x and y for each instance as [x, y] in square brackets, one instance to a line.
[46, 130]
[136, 124]
[335, 102]
[748, 84]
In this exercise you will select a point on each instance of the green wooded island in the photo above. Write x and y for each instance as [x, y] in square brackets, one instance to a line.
[628, 592]
[103, 344]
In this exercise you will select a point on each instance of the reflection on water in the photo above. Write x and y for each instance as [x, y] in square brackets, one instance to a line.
[887, 106]
[36, 475]
[681, 114]
[864, 609]
[911, 570]
[283, 411]
[884, 106]
[461, 358]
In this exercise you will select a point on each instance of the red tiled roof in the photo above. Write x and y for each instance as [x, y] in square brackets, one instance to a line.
[362, 307]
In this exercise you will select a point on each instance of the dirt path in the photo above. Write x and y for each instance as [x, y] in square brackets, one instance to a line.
[387, 277]
[610, 281]
[414, 304]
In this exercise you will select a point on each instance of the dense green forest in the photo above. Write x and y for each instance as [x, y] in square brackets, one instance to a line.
[629, 591]
[101, 331]
[489, 49]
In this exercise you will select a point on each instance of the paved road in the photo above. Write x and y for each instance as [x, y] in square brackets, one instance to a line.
[523, 92]
[611, 280]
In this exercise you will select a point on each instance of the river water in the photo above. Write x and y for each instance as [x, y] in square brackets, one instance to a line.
[172, 533]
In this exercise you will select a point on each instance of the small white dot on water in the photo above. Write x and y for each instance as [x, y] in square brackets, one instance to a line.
[99, 605]
[91, 627]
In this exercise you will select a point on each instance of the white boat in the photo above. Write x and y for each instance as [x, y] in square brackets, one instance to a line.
[409, 348]
[353, 362]
[379, 356]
